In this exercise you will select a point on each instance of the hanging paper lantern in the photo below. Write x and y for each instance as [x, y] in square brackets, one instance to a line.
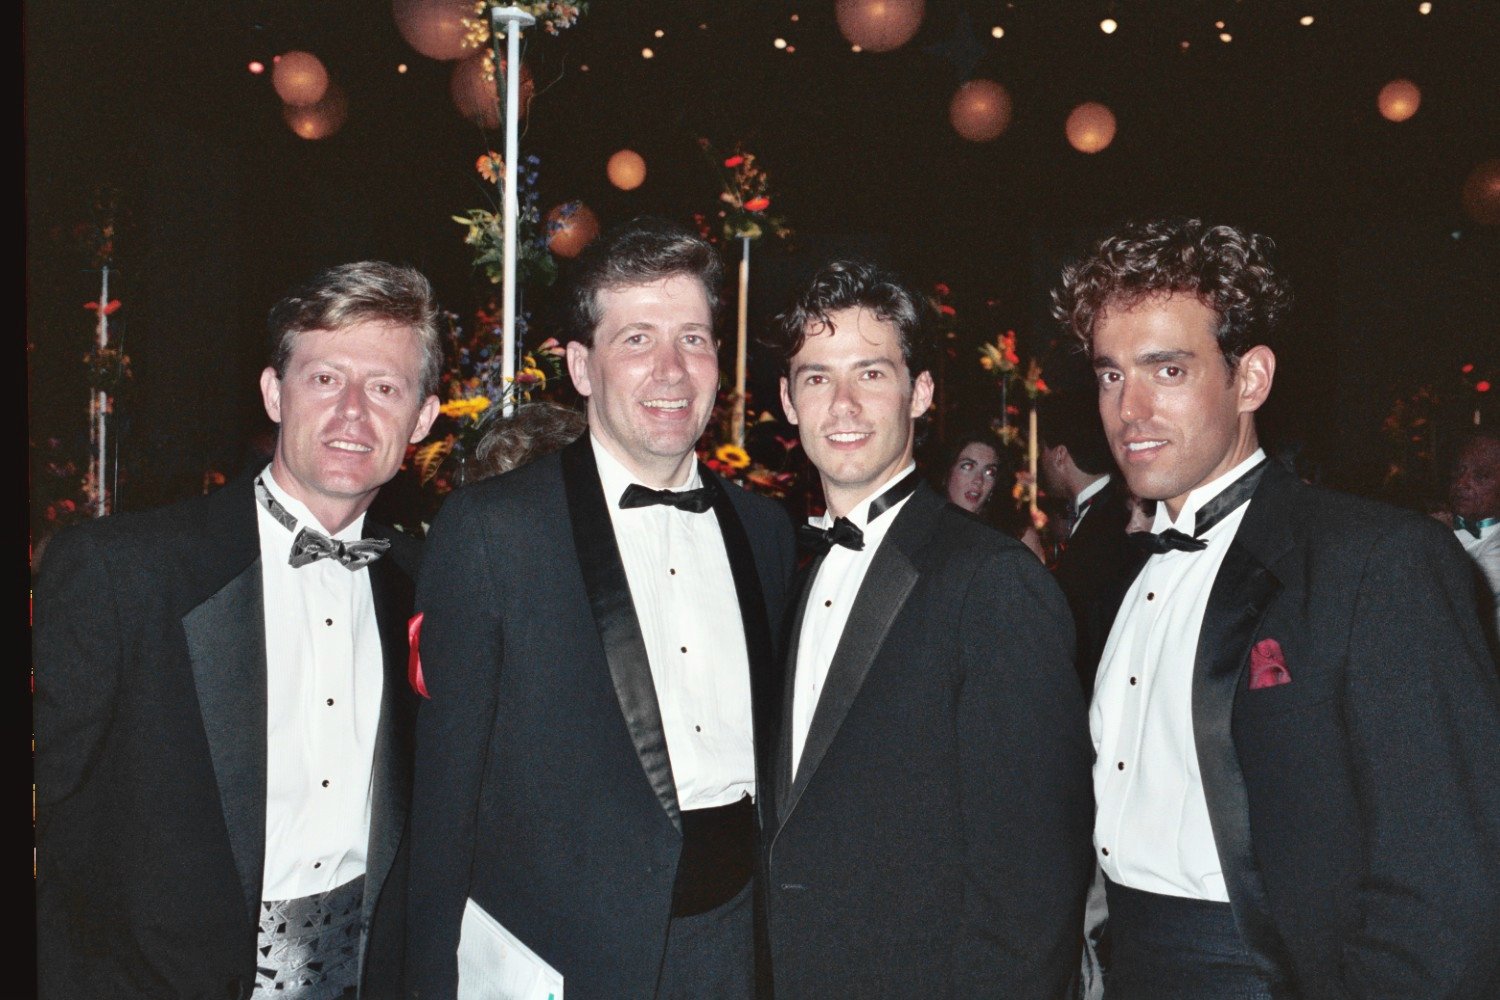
[319, 121]
[477, 98]
[627, 170]
[573, 226]
[1481, 194]
[299, 78]
[1090, 127]
[434, 28]
[1399, 100]
[980, 110]
[879, 25]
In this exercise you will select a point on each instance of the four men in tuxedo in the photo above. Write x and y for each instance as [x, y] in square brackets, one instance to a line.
[1296, 718]
[223, 724]
[596, 647]
[929, 835]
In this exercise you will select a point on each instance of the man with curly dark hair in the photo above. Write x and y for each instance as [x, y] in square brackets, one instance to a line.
[1296, 717]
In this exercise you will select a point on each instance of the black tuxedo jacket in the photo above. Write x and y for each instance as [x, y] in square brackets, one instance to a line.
[544, 790]
[935, 840]
[1356, 809]
[1089, 570]
[150, 715]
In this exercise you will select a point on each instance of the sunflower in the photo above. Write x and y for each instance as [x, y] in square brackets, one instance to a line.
[733, 456]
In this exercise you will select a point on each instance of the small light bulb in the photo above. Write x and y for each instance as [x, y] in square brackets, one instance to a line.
[780, 43]
[1225, 37]
[1424, 8]
[401, 67]
[1108, 25]
[791, 48]
[647, 54]
[997, 32]
[1305, 20]
[856, 48]
[256, 67]
[1219, 25]
[659, 33]
[795, 18]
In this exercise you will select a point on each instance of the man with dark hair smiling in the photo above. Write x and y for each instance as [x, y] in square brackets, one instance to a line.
[931, 822]
[1296, 717]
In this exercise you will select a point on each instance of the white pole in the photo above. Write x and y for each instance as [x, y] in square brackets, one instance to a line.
[739, 351]
[101, 403]
[514, 19]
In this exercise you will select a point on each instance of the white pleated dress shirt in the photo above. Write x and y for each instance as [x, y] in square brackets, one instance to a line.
[324, 681]
[1082, 501]
[684, 597]
[1151, 827]
[829, 601]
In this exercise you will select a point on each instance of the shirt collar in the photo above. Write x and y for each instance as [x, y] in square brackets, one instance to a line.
[1091, 490]
[615, 478]
[352, 531]
[859, 514]
[1186, 520]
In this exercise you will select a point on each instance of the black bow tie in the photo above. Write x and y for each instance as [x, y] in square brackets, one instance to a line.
[310, 545]
[842, 532]
[1230, 499]
[693, 501]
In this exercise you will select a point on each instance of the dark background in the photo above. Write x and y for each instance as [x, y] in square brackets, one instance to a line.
[222, 209]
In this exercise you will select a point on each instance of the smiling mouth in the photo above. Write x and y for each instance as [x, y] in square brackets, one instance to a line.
[849, 437]
[351, 446]
[1139, 447]
[666, 405]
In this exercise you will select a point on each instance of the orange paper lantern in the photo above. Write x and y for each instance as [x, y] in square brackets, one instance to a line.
[573, 226]
[319, 121]
[434, 28]
[1090, 127]
[980, 110]
[1398, 100]
[300, 78]
[477, 98]
[626, 170]
[879, 25]
[1481, 193]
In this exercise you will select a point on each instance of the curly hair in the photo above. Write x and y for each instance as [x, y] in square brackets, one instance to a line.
[850, 284]
[640, 252]
[534, 430]
[1229, 270]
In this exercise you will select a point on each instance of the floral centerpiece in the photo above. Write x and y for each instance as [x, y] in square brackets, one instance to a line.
[746, 197]
[554, 17]
[534, 261]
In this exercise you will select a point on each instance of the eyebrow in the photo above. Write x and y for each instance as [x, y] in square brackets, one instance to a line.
[815, 366]
[1149, 358]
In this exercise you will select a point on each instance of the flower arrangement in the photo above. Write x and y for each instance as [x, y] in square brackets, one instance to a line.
[717, 451]
[534, 261]
[554, 17]
[746, 198]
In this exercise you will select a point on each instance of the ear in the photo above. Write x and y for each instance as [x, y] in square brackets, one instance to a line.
[578, 367]
[425, 416]
[921, 394]
[786, 403]
[270, 394]
[1253, 375]
[1056, 456]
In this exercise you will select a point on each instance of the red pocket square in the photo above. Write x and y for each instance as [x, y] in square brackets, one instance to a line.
[1268, 665]
[414, 656]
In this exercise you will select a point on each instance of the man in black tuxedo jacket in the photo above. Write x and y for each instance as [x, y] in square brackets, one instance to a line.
[1296, 717]
[931, 822]
[1076, 466]
[596, 644]
[223, 725]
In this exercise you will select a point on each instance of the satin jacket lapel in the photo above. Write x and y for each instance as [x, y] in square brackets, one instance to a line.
[890, 579]
[1242, 592]
[614, 614]
[789, 687]
[390, 796]
[226, 642]
[754, 620]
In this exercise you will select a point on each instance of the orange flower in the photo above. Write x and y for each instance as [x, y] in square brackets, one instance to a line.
[1041, 386]
[490, 166]
[758, 204]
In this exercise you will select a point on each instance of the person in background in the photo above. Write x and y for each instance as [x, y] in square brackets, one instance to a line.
[978, 477]
[223, 723]
[533, 430]
[1474, 509]
[1296, 715]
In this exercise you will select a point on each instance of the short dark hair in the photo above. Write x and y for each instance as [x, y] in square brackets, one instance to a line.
[364, 292]
[849, 284]
[1074, 423]
[1227, 269]
[641, 252]
[533, 430]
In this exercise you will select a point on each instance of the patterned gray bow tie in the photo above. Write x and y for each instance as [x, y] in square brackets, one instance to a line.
[310, 545]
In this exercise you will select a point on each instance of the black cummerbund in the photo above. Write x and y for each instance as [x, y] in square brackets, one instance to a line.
[718, 855]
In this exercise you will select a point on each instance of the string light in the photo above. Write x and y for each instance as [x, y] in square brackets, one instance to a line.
[1225, 37]
[780, 43]
[791, 48]
[1424, 8]
[1108, 25]
[1219, 25]
[997, 32]
[659, 33]
[401, 67]
[855, 48]
[256, 67]
[1305, 20]
[647, 54]
[795, 18]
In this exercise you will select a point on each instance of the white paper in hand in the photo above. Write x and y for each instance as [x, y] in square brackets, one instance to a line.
[493, 964]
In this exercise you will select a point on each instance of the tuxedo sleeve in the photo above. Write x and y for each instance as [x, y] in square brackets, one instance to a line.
[461, 649]
[77, 657]
[1025, 759]
[1424, 713]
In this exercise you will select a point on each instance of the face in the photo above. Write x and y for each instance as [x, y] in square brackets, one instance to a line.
[348, 404]
[1176, 417]
[971, 480]
[855, 403]
[650, 376]
[1475, 491]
